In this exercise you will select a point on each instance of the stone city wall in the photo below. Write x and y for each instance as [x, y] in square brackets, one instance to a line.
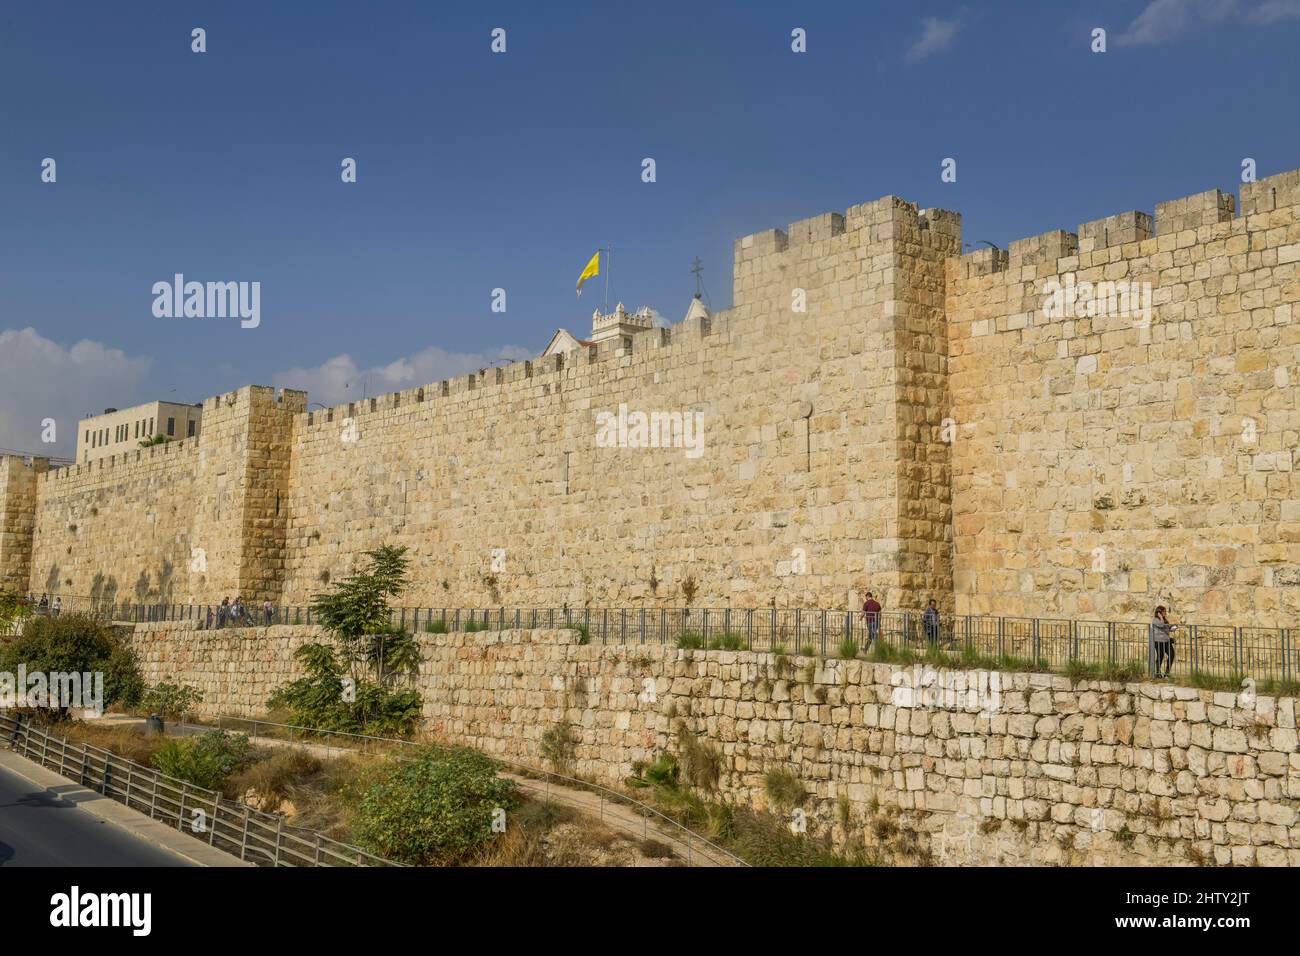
[878, 412]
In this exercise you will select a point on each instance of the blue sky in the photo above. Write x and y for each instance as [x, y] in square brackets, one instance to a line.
[478, 171]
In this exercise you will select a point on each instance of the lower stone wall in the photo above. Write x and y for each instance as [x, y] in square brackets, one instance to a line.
[957, 767]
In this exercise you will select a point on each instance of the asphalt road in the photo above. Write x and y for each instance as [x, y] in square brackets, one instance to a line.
[43, 828]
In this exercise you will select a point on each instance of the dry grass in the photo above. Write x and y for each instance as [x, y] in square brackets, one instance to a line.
[127, 742]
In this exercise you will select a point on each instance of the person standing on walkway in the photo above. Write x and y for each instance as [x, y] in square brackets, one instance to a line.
[930, 619]
[1162, 642]
[871, 614]
[223, 611]
[57, 606]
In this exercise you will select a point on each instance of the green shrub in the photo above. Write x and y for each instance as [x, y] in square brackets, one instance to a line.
[784, 789]
[663, 772]
[584, 632]
[317, 699]
[808, 650]
[434, 809]
[435, 627]
[206, 761]
[848, 648]
[728, 641]
[175, 700]
[690, 641]
[558, 747]
[701, 762]
[75, 643]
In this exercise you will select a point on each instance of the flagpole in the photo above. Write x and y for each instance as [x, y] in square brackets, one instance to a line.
[608, 259]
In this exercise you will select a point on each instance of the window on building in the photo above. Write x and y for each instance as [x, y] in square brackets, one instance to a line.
[171, 427]
[150, 435]
[189, 429]
[87, 436]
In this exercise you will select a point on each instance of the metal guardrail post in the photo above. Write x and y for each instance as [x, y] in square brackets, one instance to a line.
[1236, 651]
[1037, 639]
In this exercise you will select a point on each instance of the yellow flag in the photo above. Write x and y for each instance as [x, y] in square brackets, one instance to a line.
[592, 269]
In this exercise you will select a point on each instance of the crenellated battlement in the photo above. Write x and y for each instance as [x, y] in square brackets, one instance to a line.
[1205, 216]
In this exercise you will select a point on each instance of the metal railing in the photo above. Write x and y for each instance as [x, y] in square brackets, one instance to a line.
[686, 842]
[251, 835]
[1225, 651]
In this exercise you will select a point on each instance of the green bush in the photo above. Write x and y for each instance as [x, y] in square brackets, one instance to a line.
[584, 632]
[317, 699]
[435, 627]
[207, 761]
[75, 643]
[175, 700]
[662, 773]
[690, 641]
[434, 809]
[728, 641]
[848, 649]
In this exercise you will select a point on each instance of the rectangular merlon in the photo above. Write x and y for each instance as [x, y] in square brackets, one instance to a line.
[1132, 226]
[814, 229]
[1192, 212]
[878, 211]
[983, 262]
[1044, 248]
[761, 244]
[1274, 192]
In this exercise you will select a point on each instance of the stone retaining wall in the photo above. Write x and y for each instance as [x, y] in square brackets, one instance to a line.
[959, 768]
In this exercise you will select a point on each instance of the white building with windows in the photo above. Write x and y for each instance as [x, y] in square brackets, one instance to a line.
[121, 430]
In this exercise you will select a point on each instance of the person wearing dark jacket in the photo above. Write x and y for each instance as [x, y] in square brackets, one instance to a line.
[1162, 642]
[930, 620]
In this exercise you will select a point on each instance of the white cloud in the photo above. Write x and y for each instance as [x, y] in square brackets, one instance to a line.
[339, 379]
[41, 379]
[1271, 11]
[936, 36]
[1162, 21]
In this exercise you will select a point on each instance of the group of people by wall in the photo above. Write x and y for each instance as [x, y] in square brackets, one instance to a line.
[932, 625]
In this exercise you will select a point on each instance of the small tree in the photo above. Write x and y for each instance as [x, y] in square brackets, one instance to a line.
[174, 700]
[356, 612]
[376, 654]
